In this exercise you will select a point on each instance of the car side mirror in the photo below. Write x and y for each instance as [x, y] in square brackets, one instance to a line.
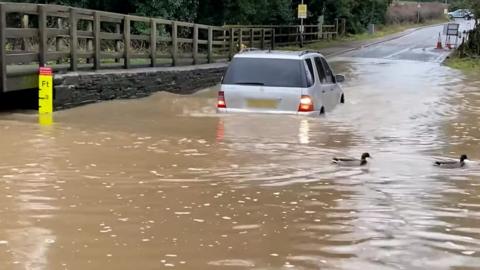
[340, 78]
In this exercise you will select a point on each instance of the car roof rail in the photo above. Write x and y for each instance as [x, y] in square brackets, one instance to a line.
[307, 52]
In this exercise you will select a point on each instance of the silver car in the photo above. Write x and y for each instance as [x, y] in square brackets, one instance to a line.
[280, 82]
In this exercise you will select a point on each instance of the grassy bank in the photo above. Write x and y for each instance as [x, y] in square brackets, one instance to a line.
[381, 31]
[469, 65]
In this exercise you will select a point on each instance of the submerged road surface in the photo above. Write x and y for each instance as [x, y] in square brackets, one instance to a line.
[164, 182]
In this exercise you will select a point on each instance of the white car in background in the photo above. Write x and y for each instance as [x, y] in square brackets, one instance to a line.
[461, 13]
[280, 82]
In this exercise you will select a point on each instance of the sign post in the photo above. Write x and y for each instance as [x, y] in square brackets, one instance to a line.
[302, 14]
[45, 95]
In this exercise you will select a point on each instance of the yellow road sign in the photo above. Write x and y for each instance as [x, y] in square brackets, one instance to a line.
[302, 11]
[45, 95]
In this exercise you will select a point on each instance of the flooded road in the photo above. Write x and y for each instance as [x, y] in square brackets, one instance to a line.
[164, 182]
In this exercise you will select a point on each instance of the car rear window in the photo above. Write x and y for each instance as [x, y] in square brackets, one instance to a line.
[266, 72]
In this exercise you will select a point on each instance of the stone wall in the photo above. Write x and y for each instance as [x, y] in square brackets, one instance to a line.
[78, 88]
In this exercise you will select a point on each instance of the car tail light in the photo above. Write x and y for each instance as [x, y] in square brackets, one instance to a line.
[306, 104]
[221, 104]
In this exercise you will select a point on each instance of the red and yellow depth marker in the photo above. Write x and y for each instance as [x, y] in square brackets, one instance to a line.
[45, 95]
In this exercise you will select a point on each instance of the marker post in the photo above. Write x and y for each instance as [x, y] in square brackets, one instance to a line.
[45, 96]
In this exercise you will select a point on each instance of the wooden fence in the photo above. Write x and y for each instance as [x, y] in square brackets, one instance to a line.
[286, 35]
[71, 39]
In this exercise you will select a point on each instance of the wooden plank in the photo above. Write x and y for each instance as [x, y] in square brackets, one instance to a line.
[54, 56]
[73, 40]
[141, 55]
[3, 39]
[111, 55]
[163, 21]
[126, 41]
[42, 26]
[184, 24]
[174, 43]
[97, 40]
[153, 43]
[111, 36]
[140, 37]
[185, 56]
[21, 8]
[21, 32]
[210, 45]
[85, 34]
[134, 18]
[53, 32]
[164, 39]
[195, 44]
[21, 58]
[185, 40]
[218, 42]
[86, 55]
[202, 42]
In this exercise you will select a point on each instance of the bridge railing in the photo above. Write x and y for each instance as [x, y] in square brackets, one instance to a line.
[71, 39]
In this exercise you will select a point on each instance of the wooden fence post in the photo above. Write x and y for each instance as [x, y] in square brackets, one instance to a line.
[262, 42]
[224, 41]
[3, 60]
[153, 43]
[24, 25]
[117, 42]
[240, 39]
[232, 44]
[252, 38]
[89, 41]
[42, 28]
[126, 42]
[195, 44]
[73, 41]
[59, 40]
[273, 39]
[336, 27]
[210, 44]
[344, 27]
[97, 37]
[174, 44]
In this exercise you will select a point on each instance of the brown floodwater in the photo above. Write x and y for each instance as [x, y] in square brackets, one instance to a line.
[164, 182]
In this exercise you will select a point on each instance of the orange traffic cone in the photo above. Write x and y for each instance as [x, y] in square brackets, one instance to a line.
[439, 42]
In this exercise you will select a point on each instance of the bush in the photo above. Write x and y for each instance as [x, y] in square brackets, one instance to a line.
[408, 12]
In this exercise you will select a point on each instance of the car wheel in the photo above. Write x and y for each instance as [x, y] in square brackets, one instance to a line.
[342, 99]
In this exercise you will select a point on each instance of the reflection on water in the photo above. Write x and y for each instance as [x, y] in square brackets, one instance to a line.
[165, 182]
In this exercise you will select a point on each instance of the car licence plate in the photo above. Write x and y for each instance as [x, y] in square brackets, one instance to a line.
[262, 103]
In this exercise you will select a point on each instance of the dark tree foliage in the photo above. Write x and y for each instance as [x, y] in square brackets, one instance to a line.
[359, 13]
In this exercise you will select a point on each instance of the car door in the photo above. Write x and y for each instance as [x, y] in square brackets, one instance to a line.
[334, 92]
[327, 84]
[314, 87]
[322, 86]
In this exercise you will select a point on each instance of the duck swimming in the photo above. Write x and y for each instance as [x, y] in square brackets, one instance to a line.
[352, 161]
[451, 164]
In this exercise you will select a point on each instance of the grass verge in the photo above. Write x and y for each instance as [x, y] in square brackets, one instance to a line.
[469, 65]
